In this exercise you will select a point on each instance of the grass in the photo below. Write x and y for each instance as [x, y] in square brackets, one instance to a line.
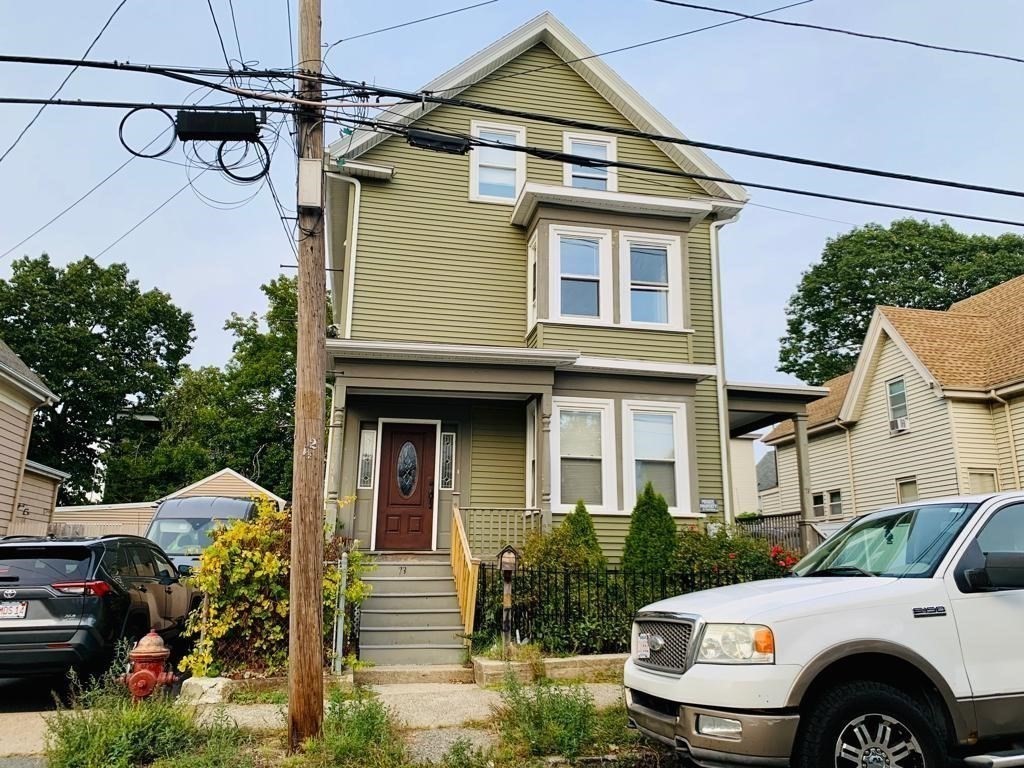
[546, 719]
[358, 731]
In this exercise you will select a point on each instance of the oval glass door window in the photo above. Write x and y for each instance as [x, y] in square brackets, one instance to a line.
[408, 468]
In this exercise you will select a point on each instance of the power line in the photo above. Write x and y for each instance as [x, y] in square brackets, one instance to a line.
[291, 34]
[148, 216]
[494, 79]
[234, 24]
[63, 82]
[220, 37]
[564, 157]
[139, 104]
[849, 32]
[636, 133]
[407, 24]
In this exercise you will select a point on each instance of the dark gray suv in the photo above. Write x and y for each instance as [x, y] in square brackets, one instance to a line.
[67, 602]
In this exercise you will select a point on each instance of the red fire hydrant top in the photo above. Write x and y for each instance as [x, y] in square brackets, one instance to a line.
[148, 666]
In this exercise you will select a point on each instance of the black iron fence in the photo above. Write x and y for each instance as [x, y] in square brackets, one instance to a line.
[583, 611]
[779, 530]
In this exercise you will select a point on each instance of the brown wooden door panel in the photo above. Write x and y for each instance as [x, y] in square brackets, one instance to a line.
[405, 500]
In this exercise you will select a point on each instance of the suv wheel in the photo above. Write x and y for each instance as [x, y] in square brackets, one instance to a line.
[869, 725]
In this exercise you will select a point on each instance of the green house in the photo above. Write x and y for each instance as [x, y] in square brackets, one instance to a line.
[513, 334]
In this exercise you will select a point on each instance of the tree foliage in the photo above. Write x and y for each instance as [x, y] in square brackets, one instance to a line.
[241, 416]
[652, 543]
[102, 344]
[907, 264]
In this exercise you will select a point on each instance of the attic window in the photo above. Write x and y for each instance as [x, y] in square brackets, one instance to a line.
[583, 176]
[496, 175]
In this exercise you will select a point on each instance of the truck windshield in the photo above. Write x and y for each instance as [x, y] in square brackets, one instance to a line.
[181, 536]
[910, 541]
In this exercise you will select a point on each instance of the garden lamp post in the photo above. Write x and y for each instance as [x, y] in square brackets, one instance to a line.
[507, 559]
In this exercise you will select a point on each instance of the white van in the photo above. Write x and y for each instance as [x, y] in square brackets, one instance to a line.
[898, 643]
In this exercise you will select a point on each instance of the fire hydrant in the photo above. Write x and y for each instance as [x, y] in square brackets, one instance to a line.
[148, 666]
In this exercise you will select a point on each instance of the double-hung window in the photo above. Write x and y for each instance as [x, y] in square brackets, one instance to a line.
[584, 454]
[651, 270]
[655, 450]
[897, 399]
[583, 175]
[581, 267]
[496, 175]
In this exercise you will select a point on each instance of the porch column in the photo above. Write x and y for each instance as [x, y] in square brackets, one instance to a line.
[808, 538]
[335, 446]
[544, 460]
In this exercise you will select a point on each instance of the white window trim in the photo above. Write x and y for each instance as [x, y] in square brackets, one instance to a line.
[373, 460]
[683, 506]
[906, 479]
[532, 289]
[674, 249]
[827, 503]
[609, 484]
[455, 461]
[605, 290]
[476, 126]
[531, 454]
[609, 141]
[888, 397]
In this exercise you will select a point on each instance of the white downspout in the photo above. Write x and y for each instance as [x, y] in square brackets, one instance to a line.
[352, 247]
[723, 407]
[1010, 435]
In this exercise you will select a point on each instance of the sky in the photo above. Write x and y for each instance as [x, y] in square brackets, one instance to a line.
[747, 84]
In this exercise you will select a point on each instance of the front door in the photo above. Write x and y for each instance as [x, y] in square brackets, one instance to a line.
[405, 503]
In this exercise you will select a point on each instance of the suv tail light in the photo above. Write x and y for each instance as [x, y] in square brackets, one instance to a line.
[86, 588]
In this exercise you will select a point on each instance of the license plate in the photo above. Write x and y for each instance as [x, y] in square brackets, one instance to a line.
[643, 646]
[13, 610]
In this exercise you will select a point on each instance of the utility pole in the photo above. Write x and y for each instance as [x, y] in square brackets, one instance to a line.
[305, 624]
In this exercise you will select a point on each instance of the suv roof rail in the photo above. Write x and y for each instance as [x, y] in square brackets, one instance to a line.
[15, 536]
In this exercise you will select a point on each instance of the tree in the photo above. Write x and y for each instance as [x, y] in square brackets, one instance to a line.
[652, 544]
[907, 264]
[103, 346]
[241, 416]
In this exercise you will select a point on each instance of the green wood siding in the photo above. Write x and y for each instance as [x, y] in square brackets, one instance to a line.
[612, 530]
[628, 343]
[709, 443]
[433, 266]
[498, 457]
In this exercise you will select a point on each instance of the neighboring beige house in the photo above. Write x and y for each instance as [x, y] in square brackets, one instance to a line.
[934, 407]
[134, 518]
[28, 490]
[743, 470]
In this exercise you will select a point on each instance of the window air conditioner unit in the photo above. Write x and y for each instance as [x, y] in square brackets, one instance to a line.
[899, 425]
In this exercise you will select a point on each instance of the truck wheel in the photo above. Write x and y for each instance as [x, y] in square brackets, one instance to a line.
[869, 725]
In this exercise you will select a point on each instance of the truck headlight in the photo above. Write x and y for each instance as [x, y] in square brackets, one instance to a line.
[736, 644]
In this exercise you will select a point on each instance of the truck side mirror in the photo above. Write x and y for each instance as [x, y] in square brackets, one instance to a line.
[1003, 570]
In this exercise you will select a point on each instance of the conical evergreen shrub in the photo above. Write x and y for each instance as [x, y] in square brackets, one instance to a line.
[652, 544]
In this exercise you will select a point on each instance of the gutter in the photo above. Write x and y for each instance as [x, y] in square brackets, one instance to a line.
[42, 393]
[849, 464]
[1010, 435]
[723, 406]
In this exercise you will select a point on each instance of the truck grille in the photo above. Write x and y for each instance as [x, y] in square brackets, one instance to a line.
[672, 656]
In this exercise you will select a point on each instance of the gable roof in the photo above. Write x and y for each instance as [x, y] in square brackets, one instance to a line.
[819, 412]
[15, 370]
[227, 482]
[548, 30]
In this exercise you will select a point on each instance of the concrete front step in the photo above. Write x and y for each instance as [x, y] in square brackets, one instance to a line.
[383, 585]
[411, 635]
[413, 653]
[412, 617]
[412, 674]
[409, 600]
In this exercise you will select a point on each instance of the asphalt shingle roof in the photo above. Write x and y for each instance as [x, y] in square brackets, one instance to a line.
[12, 362]
[819, 411]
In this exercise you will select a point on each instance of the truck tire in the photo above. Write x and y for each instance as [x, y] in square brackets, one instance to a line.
[868, 724]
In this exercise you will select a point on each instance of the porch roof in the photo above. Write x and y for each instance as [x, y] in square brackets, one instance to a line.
[754, 406]
[447, 353]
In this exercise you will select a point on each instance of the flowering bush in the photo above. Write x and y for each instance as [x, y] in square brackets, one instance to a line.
[733, 550]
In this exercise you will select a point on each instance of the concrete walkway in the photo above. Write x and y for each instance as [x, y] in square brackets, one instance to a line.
[417, 706]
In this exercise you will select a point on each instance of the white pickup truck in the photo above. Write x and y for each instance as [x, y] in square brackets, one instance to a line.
[898, 643]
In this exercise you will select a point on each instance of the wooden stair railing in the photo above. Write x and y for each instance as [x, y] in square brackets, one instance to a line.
[465, 569]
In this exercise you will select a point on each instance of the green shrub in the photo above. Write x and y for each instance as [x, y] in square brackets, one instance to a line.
[219, 744]
[244, 577]
[358, 732]
[651, 544]
[462, 754]
[546, 719]
[732, 550]
[572, 544]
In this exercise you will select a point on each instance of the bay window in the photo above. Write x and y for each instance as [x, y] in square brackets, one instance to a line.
[581, 274]
[651, 269]
[654, 449]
